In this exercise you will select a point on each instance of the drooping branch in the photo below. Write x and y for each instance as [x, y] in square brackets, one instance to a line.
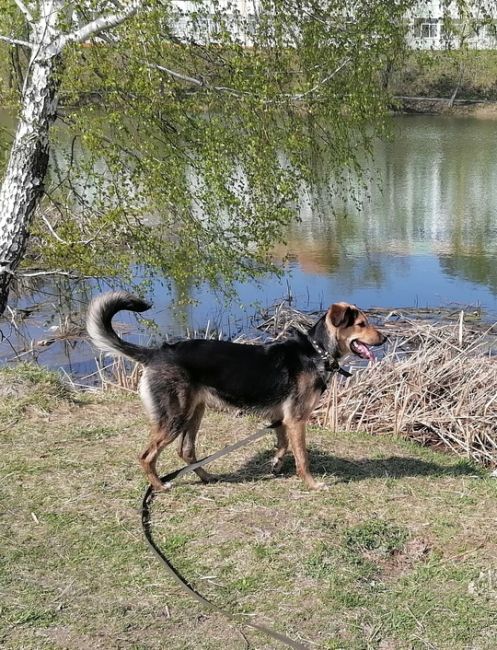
[324, 81]
[176, 75]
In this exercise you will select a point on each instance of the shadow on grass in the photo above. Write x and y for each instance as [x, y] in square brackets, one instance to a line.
[258, 468]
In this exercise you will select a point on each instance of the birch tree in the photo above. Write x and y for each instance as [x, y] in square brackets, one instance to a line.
[48, 24]
[206, 124]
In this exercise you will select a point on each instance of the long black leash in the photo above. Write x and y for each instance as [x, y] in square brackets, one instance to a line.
[174, 573]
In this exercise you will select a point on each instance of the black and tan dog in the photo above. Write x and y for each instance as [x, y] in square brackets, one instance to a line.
[282, 381]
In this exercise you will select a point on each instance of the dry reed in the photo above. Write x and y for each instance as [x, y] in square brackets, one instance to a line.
[436, 384]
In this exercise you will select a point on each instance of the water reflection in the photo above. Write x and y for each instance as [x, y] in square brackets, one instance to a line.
[435, 201]
[438, 179]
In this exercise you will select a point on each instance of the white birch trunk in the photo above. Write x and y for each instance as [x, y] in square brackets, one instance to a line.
[22, 186]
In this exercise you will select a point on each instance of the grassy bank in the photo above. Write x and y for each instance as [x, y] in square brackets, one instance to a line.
[471, 74]
[399, 553]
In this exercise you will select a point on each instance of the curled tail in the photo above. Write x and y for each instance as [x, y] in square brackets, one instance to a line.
[99, 326]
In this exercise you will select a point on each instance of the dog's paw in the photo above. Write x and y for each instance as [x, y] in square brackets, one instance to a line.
[318, 485]
[276, 465]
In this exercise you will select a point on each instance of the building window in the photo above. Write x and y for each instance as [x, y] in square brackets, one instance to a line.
[426, 28]
[490, 31]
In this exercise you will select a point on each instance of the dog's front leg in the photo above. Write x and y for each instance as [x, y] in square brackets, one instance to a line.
[296, 434]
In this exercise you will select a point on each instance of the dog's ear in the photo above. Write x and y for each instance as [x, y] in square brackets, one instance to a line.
[342, 314]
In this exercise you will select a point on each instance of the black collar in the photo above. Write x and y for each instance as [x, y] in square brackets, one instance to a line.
[331, 365]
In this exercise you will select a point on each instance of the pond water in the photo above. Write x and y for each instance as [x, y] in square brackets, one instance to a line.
[426, 236]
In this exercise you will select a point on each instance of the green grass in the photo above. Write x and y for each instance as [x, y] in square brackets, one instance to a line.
[399, 553]
[375, 535]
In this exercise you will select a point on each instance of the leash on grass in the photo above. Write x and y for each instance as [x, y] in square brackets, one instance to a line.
[174, 573]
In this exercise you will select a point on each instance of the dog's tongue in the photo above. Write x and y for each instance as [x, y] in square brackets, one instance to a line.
[364, 351]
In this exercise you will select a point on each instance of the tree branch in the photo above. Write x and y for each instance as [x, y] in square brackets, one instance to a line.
[196, 82]
[15, 41]
[243, 93]
[84, 242]
[322, 82]
[36, 274]
[24, 10]
[175, 75]
[96, 26]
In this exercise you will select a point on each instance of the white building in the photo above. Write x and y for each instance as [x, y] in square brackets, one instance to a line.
[434, 24]
[194, 21]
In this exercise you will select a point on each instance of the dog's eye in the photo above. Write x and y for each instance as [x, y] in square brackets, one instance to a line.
[362, 324]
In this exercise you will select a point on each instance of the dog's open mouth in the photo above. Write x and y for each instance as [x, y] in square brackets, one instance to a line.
[362, 350]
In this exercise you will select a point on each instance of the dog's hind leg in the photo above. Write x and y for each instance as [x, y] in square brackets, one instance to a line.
[281, 449]
[162, 435]
[186, 446]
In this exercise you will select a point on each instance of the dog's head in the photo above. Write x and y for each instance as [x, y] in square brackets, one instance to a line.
[350, 328]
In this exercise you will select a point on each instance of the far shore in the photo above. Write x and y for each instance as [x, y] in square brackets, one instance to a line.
[480, 108]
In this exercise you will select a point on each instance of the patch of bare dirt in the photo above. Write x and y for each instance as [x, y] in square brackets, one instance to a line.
[402, 561]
